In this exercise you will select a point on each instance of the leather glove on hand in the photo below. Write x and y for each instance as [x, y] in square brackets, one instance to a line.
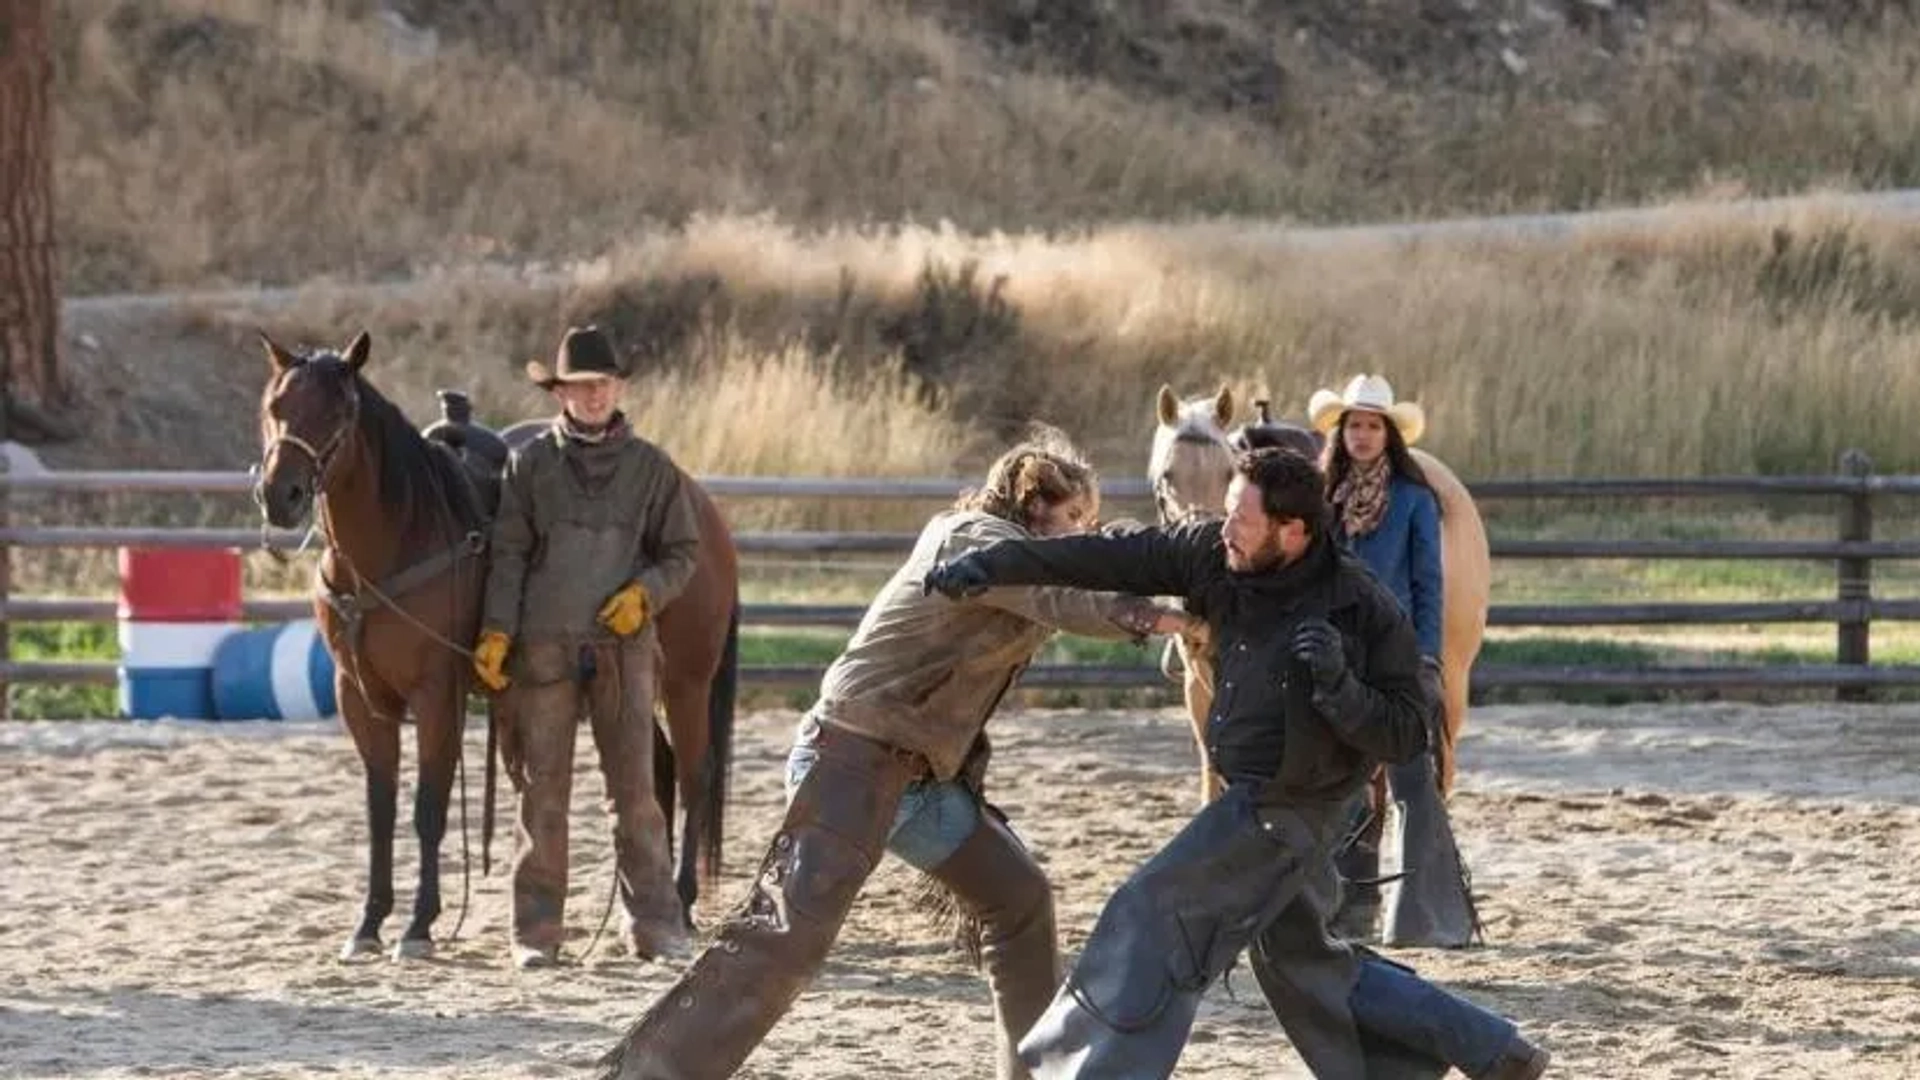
[960, 579]
[625, 612]
[490, 660]
[1316, 643]
[1433, 688]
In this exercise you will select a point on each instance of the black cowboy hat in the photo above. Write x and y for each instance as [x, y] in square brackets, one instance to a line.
[584, 354]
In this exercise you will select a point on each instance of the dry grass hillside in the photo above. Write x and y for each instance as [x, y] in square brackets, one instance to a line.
[866, 236]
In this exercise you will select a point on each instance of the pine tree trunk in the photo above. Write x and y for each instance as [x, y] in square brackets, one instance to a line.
[31, 385]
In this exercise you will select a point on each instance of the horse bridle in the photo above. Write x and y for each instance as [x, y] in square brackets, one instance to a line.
[1166, 503]
[322, 456]
[1170, 509]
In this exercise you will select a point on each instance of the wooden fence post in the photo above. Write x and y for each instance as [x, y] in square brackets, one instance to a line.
[1855, 575]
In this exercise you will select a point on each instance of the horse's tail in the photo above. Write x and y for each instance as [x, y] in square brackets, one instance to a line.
[1468, 570]
[718, 773]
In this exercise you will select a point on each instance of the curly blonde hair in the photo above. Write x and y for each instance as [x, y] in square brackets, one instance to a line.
[1044, 468]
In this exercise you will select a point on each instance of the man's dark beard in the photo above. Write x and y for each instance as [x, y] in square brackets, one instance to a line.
[1271, 557]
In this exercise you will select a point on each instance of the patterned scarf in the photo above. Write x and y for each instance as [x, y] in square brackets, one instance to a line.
[1362, 497]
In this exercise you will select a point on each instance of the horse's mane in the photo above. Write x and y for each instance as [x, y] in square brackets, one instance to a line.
[418, 483]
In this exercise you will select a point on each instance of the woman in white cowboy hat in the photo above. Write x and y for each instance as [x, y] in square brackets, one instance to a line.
[1385, 510]
[1383, 506]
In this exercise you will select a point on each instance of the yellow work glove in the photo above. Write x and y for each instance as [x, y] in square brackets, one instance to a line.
[490, 660]
[625, 612]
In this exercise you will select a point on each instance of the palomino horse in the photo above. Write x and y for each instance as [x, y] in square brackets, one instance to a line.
[1190, 467]
[699, 644]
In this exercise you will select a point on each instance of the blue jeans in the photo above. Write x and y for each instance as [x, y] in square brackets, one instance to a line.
[1391, 1002]
[935, 816]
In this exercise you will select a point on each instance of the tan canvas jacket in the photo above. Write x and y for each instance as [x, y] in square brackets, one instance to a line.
[923, 673]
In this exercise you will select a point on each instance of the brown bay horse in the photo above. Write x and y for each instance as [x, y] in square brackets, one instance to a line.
[398, 599]
[1190, 465]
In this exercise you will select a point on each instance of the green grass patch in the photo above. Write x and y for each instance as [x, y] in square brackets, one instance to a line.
[69, 642]
[789, 647]
[1567, 652]
[65, 641]
[53, 701]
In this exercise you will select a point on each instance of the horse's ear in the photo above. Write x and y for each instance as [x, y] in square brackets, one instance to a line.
[357, 350]
[280, 358]
[1168, 407]
[1223, 406]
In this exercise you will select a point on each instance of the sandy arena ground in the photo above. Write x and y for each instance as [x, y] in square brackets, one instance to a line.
[1700, 891]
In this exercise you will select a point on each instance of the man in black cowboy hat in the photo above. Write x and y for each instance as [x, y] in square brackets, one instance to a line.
[595, 535]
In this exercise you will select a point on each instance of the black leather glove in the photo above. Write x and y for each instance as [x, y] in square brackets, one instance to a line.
[1433, 688]
[960, 579]
[1316, 643]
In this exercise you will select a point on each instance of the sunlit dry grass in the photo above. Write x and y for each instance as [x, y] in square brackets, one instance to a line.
[243, 140]
[734, 186]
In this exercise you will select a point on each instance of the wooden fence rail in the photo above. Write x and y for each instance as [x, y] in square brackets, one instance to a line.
[1852, 611]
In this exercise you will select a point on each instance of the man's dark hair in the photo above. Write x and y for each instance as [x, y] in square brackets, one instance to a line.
[1290, 483]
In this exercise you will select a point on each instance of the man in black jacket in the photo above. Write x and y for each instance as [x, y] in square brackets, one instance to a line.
[1317, 680]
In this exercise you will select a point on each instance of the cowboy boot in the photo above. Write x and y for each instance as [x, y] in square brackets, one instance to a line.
[768, 951]
[1521, 1060]
[1008, 897]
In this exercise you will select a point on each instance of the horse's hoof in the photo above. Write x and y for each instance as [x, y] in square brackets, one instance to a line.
[666, 948]
[534, 958]
[413, 949]
[361, 946]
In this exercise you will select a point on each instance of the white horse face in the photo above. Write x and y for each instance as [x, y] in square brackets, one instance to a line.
[1191, 464]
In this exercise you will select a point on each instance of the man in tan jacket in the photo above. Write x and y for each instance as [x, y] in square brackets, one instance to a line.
[595, 535]
[879, 766]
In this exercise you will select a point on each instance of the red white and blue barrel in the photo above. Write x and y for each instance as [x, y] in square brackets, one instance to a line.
[281, 672]
[176, 606]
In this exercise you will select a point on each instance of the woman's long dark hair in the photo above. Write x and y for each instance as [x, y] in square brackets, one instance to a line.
[1339, 462]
